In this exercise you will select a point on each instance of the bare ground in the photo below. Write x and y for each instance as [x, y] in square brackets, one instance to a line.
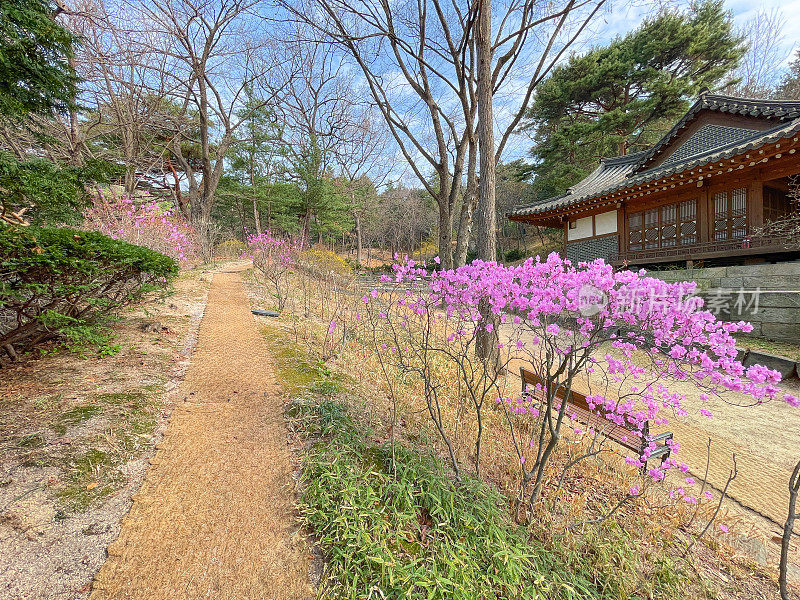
[214, 516]
[75, 434]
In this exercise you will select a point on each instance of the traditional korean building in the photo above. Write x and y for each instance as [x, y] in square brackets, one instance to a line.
[703, 192]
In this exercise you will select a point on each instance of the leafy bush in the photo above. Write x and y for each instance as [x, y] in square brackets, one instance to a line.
[324, 264]
[514, 255]
[383, 269]
[413, 532]
[63, 282]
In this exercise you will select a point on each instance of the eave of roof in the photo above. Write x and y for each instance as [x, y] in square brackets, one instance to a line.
[770, 109]
[632, 179]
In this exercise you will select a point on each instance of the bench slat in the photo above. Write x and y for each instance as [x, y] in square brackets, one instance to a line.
[578, 410]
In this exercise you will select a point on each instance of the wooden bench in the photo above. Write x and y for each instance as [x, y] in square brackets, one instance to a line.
[578, 409]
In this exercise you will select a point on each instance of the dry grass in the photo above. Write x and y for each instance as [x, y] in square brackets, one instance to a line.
[651, 536]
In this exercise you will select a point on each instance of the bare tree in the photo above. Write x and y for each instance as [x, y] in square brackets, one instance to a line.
[758, 74]
[396, 48]
[361, 156]
[420, 63]
[790, 83]
[217, 51]
[318, 114]
[401, 220]
[125, 93]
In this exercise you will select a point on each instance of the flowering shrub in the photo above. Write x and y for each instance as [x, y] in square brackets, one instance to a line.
[273, 257]
[636, 346]
[150, 223]
[323, 264]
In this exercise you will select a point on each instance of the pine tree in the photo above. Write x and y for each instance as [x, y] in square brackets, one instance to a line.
[35, 75]
[257, 157]
[620, 98]
[36, 80]
[325, 209]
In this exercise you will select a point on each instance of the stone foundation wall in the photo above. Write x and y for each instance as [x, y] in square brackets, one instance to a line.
[766, 295]
[592, 248]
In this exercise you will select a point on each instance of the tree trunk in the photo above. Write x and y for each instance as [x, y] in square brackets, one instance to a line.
[178, 196]
[445, 231]
[467, 209]
[359, 239]
[256, 216]
[486, 215]
[306, 228]
[788, 530]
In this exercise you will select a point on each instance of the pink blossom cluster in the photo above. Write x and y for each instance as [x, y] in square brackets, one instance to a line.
[633, 341]
[145, 221]
[272, 246]
[687, 343]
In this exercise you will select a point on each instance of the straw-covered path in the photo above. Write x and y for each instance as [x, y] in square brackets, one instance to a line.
[214, 516]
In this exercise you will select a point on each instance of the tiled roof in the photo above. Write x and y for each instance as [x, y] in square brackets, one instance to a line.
[610, 172]
[707, 138]
[618, 173]
[781, 110]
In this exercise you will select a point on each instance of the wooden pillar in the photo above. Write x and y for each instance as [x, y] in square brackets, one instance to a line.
[755, 205]
[705, 215]
[622, 229]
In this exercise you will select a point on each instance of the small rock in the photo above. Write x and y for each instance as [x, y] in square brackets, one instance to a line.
[755, 548]
[153, 327]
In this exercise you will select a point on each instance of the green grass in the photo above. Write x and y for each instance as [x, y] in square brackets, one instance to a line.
[31, 440]
[137, 414]
[90, 476]
[296, 371]
[412, 533]
[91, 470]
[120, 398]
[74, 416]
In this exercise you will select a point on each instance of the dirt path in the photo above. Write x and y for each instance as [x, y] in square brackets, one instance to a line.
[214, 516]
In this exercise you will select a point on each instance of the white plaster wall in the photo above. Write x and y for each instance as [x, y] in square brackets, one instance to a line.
[583, 229]
[605, 223]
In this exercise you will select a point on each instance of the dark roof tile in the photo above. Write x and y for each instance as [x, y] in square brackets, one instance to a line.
[621, 172]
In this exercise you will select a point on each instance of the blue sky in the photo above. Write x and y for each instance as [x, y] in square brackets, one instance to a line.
[625, 16]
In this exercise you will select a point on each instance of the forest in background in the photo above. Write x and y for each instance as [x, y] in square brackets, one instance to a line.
[239, 117]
